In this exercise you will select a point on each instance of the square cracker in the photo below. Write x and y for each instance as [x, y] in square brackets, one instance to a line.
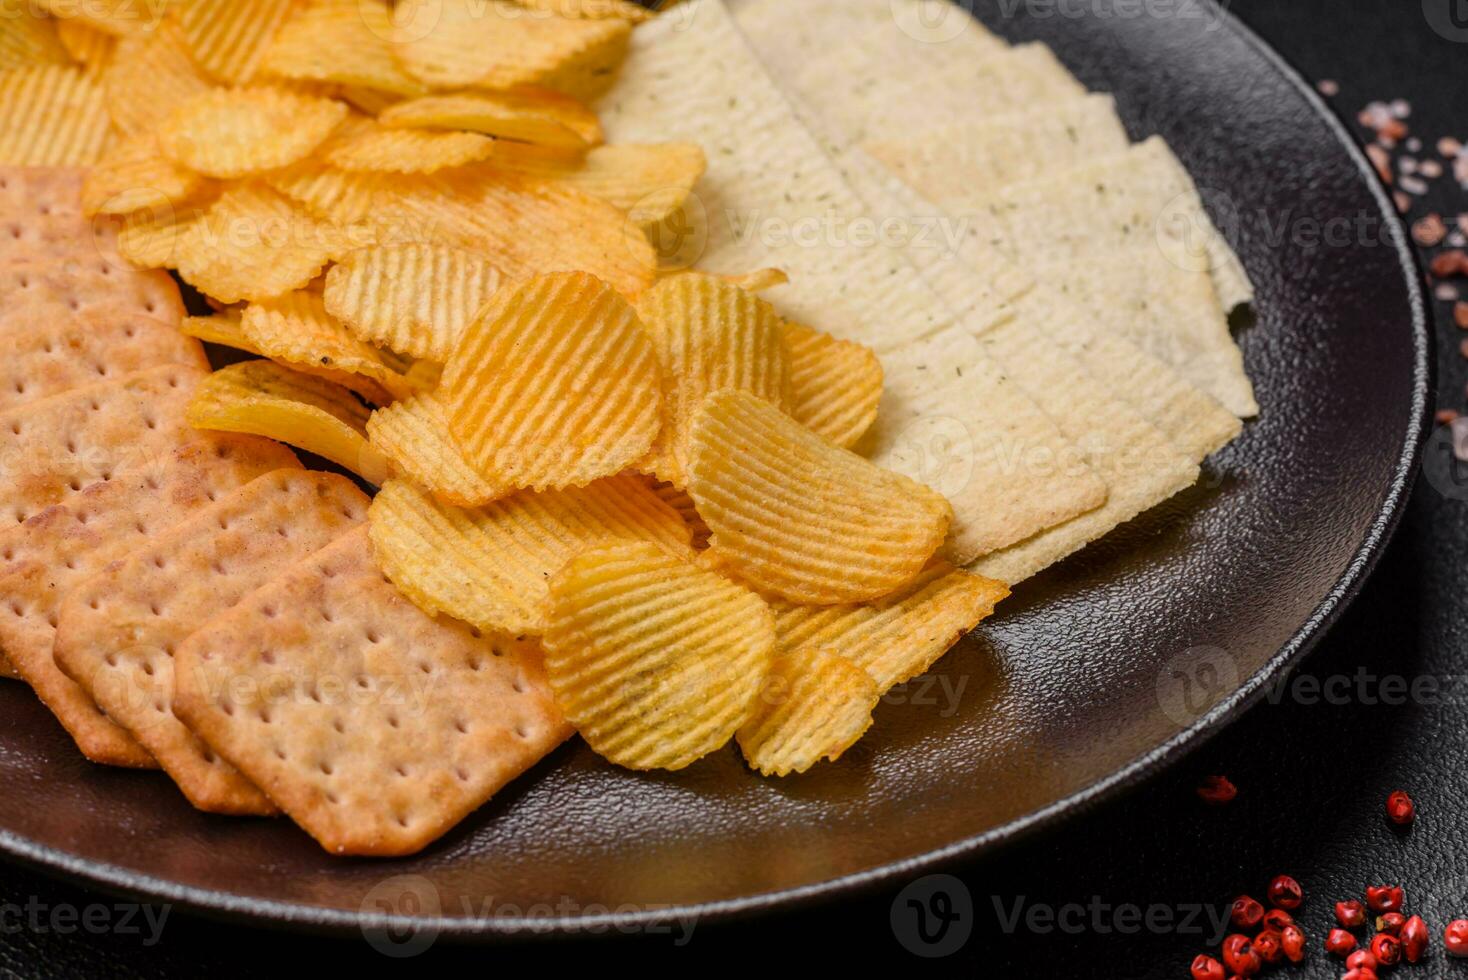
[52, 448]
[76, 284]
[117, 632]
[41, 218]
[56, 352]
[42, 559]
[28, 193]
[373, 725]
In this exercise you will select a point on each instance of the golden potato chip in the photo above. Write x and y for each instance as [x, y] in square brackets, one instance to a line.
[709, 335]
[803, 519]
[228, 38]
[495, 44]
[489, 566]
[86, 44]
[373, 147]
[415, 299]
[221, 328]
[133, 175]
[51, 116]
[239, 132]
[812, 706]
[253, 244]
[414, 435]
[369, 100]
[656, 661]
[531, 115]
[332, 195]
[901, 635]
[343, 42]
[148, 77]
[150, 235]
[759, 280]
[678, 499]
[265, 399]
[591, 9]
[650, 181]
[836, 385]
[121, 18]
[28, 40]
[297, 330]
[555, 384]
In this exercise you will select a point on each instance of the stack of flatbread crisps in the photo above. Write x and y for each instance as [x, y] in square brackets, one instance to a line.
[673, 396]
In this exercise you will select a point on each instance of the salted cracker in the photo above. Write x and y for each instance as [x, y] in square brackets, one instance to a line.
[75, 285]
[63, 545]
[373, 725]
[117, 632]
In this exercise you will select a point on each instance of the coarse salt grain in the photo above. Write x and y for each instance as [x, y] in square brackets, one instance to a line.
[1429, 231]
[1403, 202]
[1446, 292]
[1413, 185]
[1460, 315]
[1448, 146]
[1414, 145]
[1407, 165]
[1328, 87]
[1430, 169]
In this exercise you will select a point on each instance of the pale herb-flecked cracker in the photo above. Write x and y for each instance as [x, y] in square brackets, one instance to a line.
[117, 632]
[42, 559]
[371, 724]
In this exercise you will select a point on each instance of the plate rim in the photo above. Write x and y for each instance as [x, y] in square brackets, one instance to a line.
[211, 903]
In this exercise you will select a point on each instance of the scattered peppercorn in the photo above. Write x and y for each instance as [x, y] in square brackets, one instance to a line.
[1206, 967]
[1390, 923]
[1217, 790]
[1387, 949]
[1292, 941]
[1285, 892]
[1400, 809]
[1246, 913]
[1340, 942]
[1414, 939]
[1269, 947]
[1350, 913]
[1361, 959]
[1277, 919]
[1455, 937]
[1384, 898]
[1460, 315]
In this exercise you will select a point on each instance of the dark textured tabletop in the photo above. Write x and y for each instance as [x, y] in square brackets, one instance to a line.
[1133, 889]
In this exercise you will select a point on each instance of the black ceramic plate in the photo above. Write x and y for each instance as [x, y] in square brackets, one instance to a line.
[1095, 674]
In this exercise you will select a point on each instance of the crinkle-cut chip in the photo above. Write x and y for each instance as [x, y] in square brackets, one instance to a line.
[488, 566]
[148, 77]
[555, 384]
[64, 545]
[679, 499]
[414, 436]
[329, 194]
[52, 115]
[709, 335]
[376, 148]
[150, 235]
[344, 42]
[415, 299]
[28, 39]
[800, 518]
[120, 18]
[656, 661]
[376, 775]
[41, 290]
[836, 385]
[649, 181]
[229, 38]
[116, 633]
[266, 399]
[531, 115]
[495, 44]
[591, 9]
[813, 706]
[86, 45]
[231, 133]
[759, 280]
[221, 329]
[134, 174]
[48, 355]
[898, 636]
[297, 330]
[252, 244]
[369, 100]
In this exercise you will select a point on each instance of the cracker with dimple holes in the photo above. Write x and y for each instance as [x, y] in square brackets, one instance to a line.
[80, 286]
[812, 706]
[62, 546]
[488, 565]
[52, 354]
[373, 725]
[117, 633]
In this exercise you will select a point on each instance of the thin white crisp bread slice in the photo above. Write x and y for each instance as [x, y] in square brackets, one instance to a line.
[43, 558]
[74, 285]
[117, 632]
[694, 77]
[373, 725]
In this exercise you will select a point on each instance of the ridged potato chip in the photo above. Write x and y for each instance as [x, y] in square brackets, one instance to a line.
[29, 40]
[531, 115]
[150, 235]
[555, 384]
[369, 100]
[591, 9]
[901, 635]
[678, 499]
[759, 280]
[376, 148]
[51, 116]
[332, 195]
[150, 76]
[812, 706]
[265, 399]
[252, 244]
[414, 436]
[297, 331]
[835, 385]
[133, 175]
[231, 133]
[122, 18]
[495, 44]
[222, 329]
[85, 44]
[489, 566]
[656, 661]
[415, 299]
[228, 38]
[343, 42]
[799, 517]
[650, 181]
[709, 335]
